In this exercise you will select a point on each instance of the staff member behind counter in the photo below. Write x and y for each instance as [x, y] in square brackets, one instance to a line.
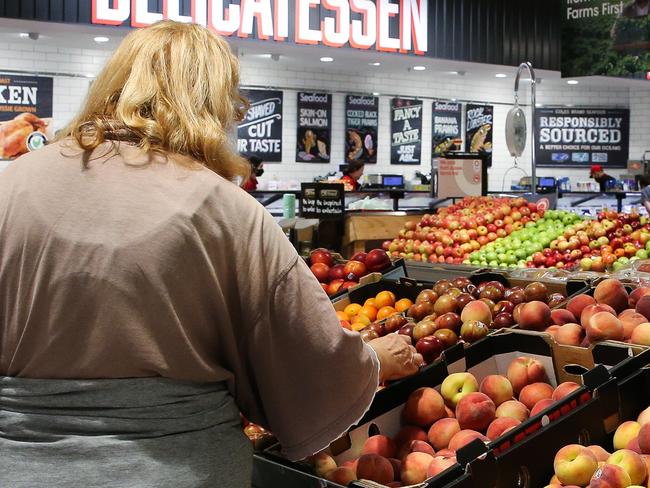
[600, 176]
[352, 174]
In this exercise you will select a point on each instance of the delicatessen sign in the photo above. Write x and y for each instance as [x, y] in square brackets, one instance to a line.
[383, 25]
[582, 136]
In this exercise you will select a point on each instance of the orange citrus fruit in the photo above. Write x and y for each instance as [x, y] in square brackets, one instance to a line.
[371, 302]
[342, 315]
[403, 305]
[385, 312]
[369, 311]
[352, 309]
[361, 319]
[385, 299]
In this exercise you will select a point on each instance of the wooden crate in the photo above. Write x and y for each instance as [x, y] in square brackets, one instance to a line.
[363, 232]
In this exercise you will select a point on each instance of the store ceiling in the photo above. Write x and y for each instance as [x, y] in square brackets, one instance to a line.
[346, 60]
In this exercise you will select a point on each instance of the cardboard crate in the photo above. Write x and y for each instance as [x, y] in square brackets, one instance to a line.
[479, 466]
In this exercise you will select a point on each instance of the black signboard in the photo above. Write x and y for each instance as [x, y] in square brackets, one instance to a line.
[25, 114]
[314, 127]
[260, 133]
[580, 137]
[405, 131]
[361, 122]
[479, 121]
[610, 38]
[322, 200]
[447, 121]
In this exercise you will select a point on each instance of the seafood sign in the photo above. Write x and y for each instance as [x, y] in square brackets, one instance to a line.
[260, 133]
[580, 137]
[406, 131]
[25, 114]
[446, 127]
[314, 127]
[361, 122]
[478, 128]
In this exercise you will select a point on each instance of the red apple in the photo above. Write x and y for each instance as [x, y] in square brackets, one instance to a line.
[321, 255]
[354, 270]
[321, 271]
[377, 260]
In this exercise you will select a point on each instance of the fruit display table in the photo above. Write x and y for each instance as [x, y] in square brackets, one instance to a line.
[362, 230]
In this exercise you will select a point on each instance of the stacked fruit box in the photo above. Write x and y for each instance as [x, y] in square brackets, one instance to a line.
[457, 423]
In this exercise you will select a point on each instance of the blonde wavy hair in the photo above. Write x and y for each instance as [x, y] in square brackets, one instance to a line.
[172, 88]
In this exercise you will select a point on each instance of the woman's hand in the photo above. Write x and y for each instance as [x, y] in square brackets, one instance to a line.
[397, 357]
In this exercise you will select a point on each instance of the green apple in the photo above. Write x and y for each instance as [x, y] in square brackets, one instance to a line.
[642, 254]
[456, 386]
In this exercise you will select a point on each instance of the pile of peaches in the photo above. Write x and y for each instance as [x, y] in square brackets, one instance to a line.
[611, 314]
[438, 423]
[627, 467]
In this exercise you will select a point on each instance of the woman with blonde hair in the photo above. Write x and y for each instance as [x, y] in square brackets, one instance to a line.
[145, 299]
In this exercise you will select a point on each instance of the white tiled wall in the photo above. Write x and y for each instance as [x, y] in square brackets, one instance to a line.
[69, 92]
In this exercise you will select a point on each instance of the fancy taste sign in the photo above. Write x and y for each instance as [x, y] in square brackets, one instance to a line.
[383, 25]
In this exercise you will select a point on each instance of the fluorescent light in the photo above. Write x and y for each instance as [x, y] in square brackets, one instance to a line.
[501, 75]
[326, 59]
[89, 75]
[24, 35]
[375, 94]
[101, 39]
[572, 82]
[419, 68]
[376, 63]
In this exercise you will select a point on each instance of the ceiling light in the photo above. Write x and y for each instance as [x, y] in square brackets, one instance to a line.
[24, 35]
[101, 39]
[326, 59]
[572, 82]
[501, 75]
[89, 75]
[419, 68]
[376, 63]
[375, 94]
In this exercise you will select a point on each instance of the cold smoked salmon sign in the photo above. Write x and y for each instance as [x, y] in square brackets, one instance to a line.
[382, 25]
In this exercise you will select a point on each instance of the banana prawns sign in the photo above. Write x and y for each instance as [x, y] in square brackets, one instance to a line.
[362, 24]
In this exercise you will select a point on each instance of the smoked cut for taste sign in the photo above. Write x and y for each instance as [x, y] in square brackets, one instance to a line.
[260, 133]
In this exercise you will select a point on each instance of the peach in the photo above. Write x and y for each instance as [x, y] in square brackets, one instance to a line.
[445, 453]
[409, 433]
[423, 407]
[456, 386]
[564, 389]
[421, 446]
[641, 334]
[569, 335]
[578, 303]
[552, 330]
[375, 468]
[644, 439]
[513, 409]
[541, 405]
[498, 427]
[633, 464]
[476, 310]
[351, 465]
[535, 392]
[440, 464]
[380, 444]
[603, 326]
[625, 433]
[450, 413]
[535, 315]
[643, 306]
[574, 465]
[497, 387]
[341, 476]
[395, 484]
[600, 453]
[610, 476]
[464, 437]
[415, 467]
[633, 445]
[636, 295]
[475, 411]
[630, 321]
[442, 431]
[524, 371]
[323, 463]
[561, 317]
[612, 292]
[644, 417]
[397, 467]
[592, 310]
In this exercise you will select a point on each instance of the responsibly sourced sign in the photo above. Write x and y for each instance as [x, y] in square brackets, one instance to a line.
[260, 133]
[361, 123]
[601, 37]
[405, 131]
[479, 121]
[362, 24]
[314, 127]
[25, 114]
[580, 137]
[446, 127]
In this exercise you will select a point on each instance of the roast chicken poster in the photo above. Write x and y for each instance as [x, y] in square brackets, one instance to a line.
[25, 114]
